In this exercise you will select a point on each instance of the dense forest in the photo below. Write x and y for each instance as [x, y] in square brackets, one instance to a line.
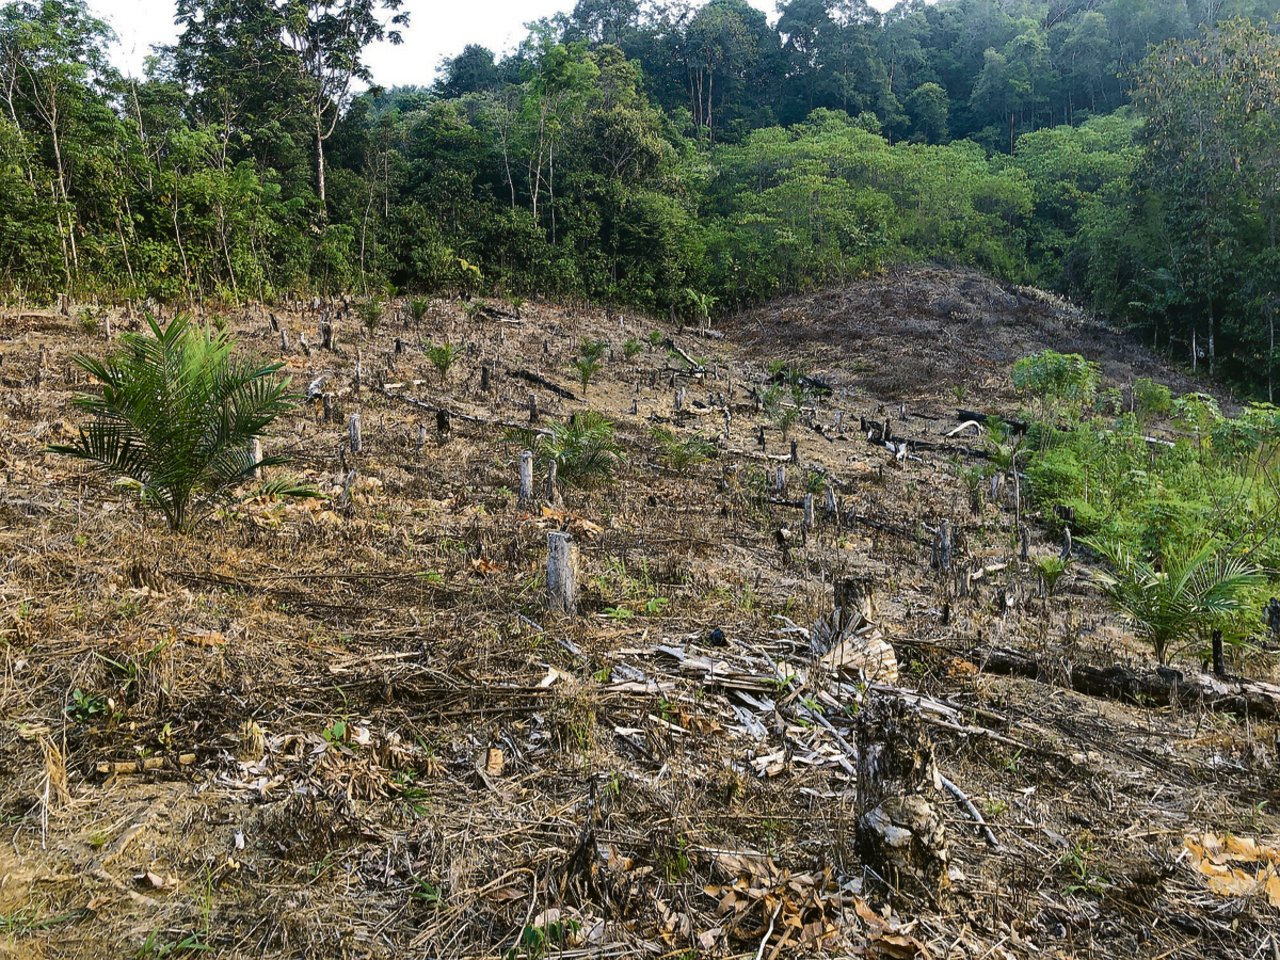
[678, 158]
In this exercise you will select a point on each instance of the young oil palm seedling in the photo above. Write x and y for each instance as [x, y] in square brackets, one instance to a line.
[589, 360]
[584, 450]
[443, 356]
[682, 453]
[178, 415]
[1178, 598]
[370, 312]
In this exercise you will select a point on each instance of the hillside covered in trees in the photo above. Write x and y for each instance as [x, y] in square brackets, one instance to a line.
[671, 157]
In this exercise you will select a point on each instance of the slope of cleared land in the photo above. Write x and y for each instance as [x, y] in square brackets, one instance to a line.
[348, 727]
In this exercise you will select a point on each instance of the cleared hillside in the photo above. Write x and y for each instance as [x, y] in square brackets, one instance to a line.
[350, 727]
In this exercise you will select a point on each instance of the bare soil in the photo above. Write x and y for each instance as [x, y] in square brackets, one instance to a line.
[348, 727]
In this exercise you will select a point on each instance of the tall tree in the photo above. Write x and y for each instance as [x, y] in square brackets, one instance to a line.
[52, 64]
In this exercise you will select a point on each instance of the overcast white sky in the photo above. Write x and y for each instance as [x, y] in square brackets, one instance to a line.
[437, 29]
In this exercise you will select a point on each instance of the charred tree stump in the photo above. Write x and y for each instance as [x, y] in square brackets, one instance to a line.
[900, 835]
[942, 547]
[1219, 660]
[795, 451]
[533, 407]
[847, 641]
[562, 574]
[355, 441]
[443, 426]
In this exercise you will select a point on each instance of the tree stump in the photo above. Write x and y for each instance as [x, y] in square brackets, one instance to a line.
[526, 479]
[255, 457]
[899, 833]
[562, 573]
[553, 486]
[353, 433]
[847, 641]
[942, 547]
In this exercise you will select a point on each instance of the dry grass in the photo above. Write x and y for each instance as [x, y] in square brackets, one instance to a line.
[283, 743]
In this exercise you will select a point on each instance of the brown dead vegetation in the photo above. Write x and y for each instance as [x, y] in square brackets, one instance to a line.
[349, 727]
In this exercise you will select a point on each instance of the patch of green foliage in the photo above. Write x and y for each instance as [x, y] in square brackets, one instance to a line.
[584, 448]
[176, 418]
[682, 453]
[443, 356]
[1185, 528]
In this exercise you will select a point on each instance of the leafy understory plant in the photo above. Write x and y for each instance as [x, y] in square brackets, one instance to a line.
[1177, 599]
[1050, 569]
[178, 415]
[584, 449]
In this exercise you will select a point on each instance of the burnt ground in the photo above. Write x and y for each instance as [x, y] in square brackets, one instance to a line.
[348, 727]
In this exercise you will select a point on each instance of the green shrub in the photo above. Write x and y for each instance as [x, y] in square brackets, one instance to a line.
[589, 361]
[1151, 400]
[1177, 598]
[370, 313]
[1056, 380]
[418, 307]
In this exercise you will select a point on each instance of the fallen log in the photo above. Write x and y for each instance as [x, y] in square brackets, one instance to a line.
[1160, 687]
[1017, 426]
[538, 380]
[449, 413]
